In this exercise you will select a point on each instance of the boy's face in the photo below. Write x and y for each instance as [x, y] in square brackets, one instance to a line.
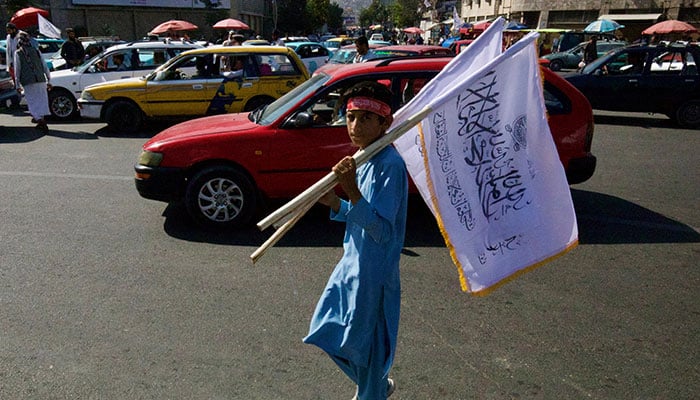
[364, 127]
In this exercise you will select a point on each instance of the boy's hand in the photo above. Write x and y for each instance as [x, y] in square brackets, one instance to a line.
[345, 170]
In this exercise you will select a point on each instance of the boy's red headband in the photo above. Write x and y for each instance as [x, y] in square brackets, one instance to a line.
[369, 104]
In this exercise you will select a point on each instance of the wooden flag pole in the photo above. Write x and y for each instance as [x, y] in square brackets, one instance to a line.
[314, 192]
[297, 207]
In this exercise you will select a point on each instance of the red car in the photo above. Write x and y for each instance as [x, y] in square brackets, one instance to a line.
[222, 166]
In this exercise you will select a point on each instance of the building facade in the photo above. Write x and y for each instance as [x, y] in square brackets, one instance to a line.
[635, 15]
[130, 22]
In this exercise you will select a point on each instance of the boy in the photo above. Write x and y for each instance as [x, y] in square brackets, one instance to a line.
[356, 320]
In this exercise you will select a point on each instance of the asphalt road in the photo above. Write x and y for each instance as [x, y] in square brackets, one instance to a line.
[105, 295]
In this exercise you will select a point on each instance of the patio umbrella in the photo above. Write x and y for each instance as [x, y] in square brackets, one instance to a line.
[670, 26]
[413, 30]
[28, 17]
[231, 23]
[514, 25]
[602, 26]
[174, 25]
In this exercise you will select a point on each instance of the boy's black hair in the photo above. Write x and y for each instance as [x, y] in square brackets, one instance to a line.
[371, 89]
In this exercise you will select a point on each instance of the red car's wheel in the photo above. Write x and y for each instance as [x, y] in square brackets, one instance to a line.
[220, 197]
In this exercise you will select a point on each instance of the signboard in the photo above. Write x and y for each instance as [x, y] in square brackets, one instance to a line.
[219, 4]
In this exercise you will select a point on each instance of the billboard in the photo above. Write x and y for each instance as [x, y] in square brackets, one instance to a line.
[220, 4]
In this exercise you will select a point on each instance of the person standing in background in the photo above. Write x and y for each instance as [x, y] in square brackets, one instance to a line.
[32, 76]
[72, 50]
[362, 46]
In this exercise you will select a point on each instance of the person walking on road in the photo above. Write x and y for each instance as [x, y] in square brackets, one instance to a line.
[32, 76]
[590, 52]
[356, 320]
[72, 49]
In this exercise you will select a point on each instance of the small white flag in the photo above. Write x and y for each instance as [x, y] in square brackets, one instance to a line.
[456, 20]
[427, 3]
[48, 29]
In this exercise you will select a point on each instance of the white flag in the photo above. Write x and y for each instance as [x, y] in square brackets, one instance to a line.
[491, 169]
[427, 3]
[48, 29]
[456, 20]
[486, 47]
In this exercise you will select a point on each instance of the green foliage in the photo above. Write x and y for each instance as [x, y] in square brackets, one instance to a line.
[335, 17]
[317, 13]
[14, 5]
[376, 13]
[405, 12]
[321, 12]
[291, 17]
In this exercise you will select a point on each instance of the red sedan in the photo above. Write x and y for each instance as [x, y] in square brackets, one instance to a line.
[222, 166]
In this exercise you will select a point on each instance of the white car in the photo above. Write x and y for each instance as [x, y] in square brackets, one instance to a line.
[139, 58]
[312, 54]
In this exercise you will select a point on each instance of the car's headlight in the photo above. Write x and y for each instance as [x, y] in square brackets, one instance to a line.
[150, 159]
[85, 95]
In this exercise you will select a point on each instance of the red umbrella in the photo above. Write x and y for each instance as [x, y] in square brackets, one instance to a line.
[230, 23]
[174, 25]
[414, 30]
[28, 16]
[670, 26]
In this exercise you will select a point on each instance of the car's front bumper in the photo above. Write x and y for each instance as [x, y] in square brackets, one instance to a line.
[580, 169]
[90, 109]
[159, 183]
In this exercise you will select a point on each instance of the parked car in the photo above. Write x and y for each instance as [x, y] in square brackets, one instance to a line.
[48, 47]
[139, 58]
[256, 42]
[92, 45]
[645, 78]
[572, 57]
[335, 43]
[312, 54]
[346, 54]
[196, 83]
[409, 50]
[222, 166]
[7, 88]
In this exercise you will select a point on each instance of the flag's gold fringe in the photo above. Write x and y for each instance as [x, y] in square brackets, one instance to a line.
[490, 289]
[462, 279]
[433, 199]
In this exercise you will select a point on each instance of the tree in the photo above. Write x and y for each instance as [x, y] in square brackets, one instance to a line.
[291, 16]
[405, 12]
[320, 12]
[317, 13]
[335, 17]
[376, 13]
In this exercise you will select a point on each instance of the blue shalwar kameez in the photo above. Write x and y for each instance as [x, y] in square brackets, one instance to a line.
[357, 317]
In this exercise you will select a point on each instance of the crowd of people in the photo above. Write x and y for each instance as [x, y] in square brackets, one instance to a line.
[31, 74]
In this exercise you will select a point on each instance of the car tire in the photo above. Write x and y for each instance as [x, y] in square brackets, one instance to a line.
[220, 197]
[124, 116]
[687, 114]
[256, 102]
[62, 104]
[555, 65]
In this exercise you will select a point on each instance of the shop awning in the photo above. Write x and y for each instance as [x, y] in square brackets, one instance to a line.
[631, 17]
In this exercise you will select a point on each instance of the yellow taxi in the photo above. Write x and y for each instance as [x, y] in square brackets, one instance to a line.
[212, 80]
